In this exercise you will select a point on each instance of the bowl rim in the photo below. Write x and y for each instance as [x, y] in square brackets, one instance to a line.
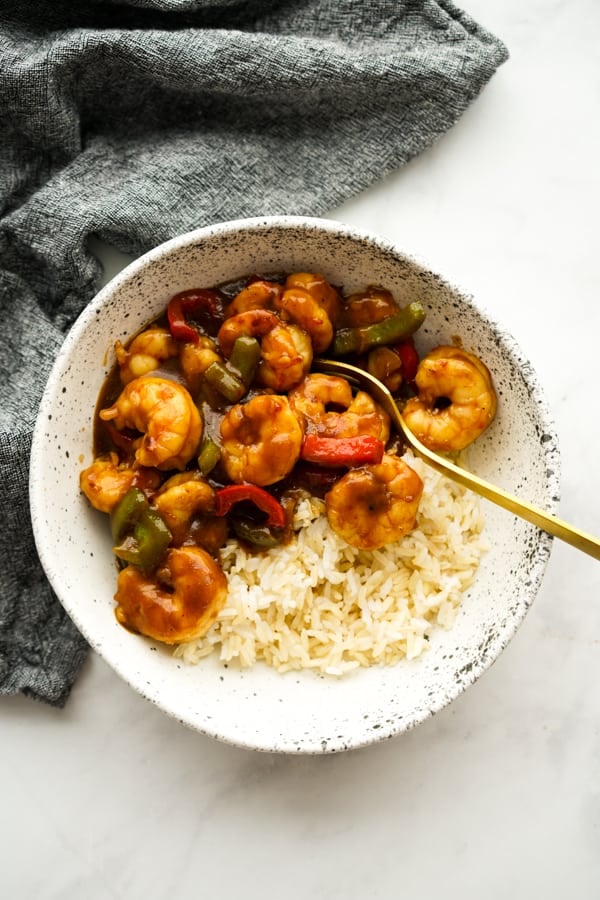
[552, 486]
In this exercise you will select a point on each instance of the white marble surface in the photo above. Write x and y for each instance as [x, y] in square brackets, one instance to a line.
[498, 795]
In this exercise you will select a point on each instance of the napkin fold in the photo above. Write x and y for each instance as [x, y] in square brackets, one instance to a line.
[134, 122]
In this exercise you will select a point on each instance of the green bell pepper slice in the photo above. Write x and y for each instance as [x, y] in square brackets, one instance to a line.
[225, 382]
[245, 358]
[140, 534]
[389, 331]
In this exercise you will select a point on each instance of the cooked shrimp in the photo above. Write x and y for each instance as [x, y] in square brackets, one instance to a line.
[286, 352]
[195, 359]
[145, 353]
[254, 323]
[166, 415]
[299, 306]
[375, 505]
[261, 440]
[315, 396]
[179, 603]
[456, 400]
[324, 293]
[180, 499]
[258, 294]
[287, 355]
[368, 307]
[107, 481]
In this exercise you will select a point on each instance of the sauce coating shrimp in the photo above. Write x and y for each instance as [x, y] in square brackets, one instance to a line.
[145, 353]
[166, 415]
[107, 480]
[313, 398]
[180, 500]
[259, 294]
[375, 505]
[369, 306]
[286, 357]
[179, 603]
[456, 400]
[323, 292]
[286, 351]
[261, 440]
[299, 305]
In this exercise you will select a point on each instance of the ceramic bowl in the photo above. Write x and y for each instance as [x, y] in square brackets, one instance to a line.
[258, 708]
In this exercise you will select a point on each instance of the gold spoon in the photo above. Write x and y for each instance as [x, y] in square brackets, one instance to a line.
[522, 508]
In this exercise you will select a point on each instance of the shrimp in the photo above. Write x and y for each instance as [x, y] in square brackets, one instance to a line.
[368, 307]
[298, 305]
[145, 353]
[261, 440]
[323, 292]
[186, 502]
[286, 352]
[106, 481]
[361, 415]
[375, 505]
[456, 399]
[178, 603]
[195, 359]
[254, 322]
[258, 294]
[286, 357]
[166, 415]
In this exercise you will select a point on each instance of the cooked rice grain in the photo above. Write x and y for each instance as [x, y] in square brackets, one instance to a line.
[317, 603]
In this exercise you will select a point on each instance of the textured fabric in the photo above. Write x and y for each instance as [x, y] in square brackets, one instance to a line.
[135, 122]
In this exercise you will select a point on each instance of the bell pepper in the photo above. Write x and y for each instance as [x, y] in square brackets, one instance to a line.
[362, 450]
[139, 532]
[225, 382]
[232, 379]
[226, 497]
[127, 512]
[204, 305]
[209, 455]
[245, 358]
[389, 331]
[409, 358]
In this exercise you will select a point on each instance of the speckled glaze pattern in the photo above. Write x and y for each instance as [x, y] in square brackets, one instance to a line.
[257, 708]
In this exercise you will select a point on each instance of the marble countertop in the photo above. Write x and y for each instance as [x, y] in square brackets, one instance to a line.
[496, 796]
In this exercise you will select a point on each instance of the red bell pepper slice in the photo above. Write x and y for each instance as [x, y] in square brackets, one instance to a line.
[206, 305]
[226, 497]
[354, 451]
[408, 357]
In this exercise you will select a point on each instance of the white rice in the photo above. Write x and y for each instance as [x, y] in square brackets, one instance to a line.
[318, 603]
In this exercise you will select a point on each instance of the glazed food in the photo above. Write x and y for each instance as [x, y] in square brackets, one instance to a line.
[265, 509]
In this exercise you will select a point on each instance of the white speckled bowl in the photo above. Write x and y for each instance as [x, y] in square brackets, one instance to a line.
[258, 708]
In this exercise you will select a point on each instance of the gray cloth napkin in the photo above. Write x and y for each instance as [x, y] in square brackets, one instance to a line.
[136, 122]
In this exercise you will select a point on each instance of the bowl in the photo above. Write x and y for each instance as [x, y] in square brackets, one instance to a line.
[259, 708]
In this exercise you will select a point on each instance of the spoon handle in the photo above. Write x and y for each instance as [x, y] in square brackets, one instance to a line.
[549, 523]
